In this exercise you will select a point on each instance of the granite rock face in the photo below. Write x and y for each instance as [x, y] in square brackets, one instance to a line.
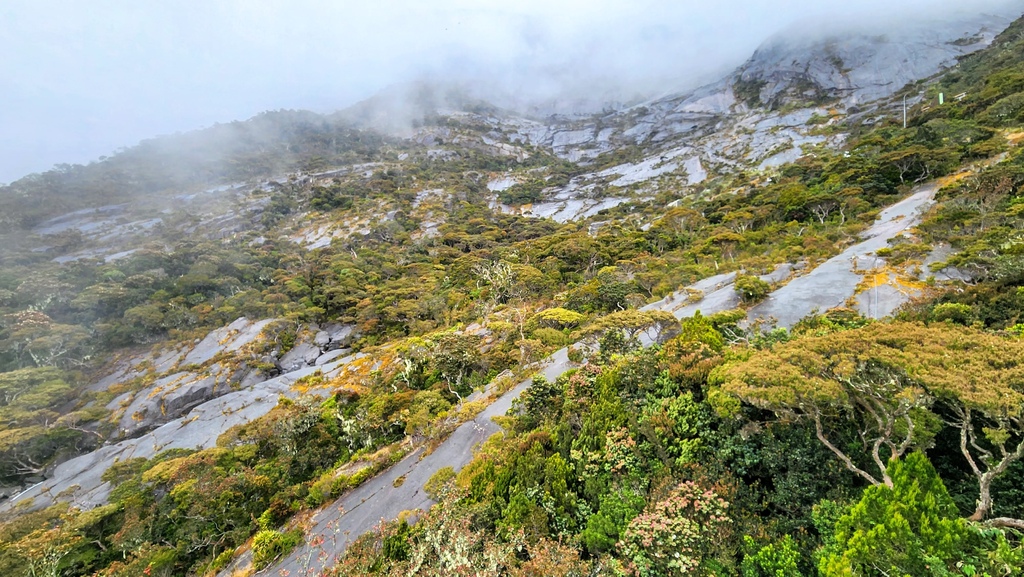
[185, 378]
[858, 66]
[189, 396]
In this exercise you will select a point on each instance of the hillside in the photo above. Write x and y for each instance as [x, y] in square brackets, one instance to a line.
[741, 330]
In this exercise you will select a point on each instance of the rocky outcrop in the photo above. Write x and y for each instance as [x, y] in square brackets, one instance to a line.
[186, 377]
[327, 343]
[838, 282]
[856, 66]
[189, 396]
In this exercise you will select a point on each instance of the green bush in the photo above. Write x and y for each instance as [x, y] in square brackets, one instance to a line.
[269, 545]
[912, 528]
[751, 288]
[956, 313]
[550, 337]
[438, 482]
[773, 560]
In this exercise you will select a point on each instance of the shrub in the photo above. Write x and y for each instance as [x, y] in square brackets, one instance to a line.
[912, 528]
[772, 560]
[550, 337]
[269, 545]
[438, 482]
[676, 535]
[956, 313]
[751, 288]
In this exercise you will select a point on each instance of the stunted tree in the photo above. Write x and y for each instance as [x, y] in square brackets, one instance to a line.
[838, 376]
[632, 324]
[557, 317]
[677, 228]
[822, 207]
[44, 550]
[884, 378]
[979, 378]
[751, 288]
[454, 357]
[34, 340]
[499, 277]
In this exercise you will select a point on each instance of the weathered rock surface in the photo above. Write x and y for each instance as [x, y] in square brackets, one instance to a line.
[174, 391]
[859, 66]
[185, 409]
[79, 482]
[835, 281]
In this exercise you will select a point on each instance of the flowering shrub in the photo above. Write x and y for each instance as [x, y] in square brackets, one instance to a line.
[674, 535]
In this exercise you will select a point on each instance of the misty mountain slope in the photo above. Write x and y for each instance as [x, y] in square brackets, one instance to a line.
[683, 138]
[289, 329]
[266, 146]
[337, 525]
[860, 66]
[794, 92]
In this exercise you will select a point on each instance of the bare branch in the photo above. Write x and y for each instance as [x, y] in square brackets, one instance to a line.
[842, 456]
[1006, 522]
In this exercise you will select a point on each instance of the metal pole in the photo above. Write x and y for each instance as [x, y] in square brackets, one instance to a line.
[904, 111]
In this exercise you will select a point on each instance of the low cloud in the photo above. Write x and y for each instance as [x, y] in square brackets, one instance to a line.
[82, 79]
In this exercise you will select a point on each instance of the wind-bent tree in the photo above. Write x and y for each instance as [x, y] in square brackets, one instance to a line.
[979, 378]
[838, 376]
[884, 377]
[633, 323]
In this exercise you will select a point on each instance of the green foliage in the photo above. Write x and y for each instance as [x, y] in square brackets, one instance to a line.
[268, 545]
[772, 560]
[837, 319]
[558, 317]
[439, 482]
[606, 526]
[616, 342]
[956, 313]
[751, 288]
[550, 337]
[699, 329]
[911, 528]
[538, 402]
[749, 91]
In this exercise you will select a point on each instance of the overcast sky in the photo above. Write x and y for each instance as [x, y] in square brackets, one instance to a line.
[79, 79]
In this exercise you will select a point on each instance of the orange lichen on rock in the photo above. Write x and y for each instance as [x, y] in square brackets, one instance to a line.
[880, 277]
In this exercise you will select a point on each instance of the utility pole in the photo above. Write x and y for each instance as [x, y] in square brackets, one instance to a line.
[904, 111]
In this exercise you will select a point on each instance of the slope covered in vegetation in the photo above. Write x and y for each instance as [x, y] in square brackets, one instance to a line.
[843, 446]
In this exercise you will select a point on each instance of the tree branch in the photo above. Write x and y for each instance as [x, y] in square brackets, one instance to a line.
[842, 456]
[965, 425]
[1006, 522]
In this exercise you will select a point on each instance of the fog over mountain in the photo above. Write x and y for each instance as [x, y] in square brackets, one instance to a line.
[83, 79]
[555, 288]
